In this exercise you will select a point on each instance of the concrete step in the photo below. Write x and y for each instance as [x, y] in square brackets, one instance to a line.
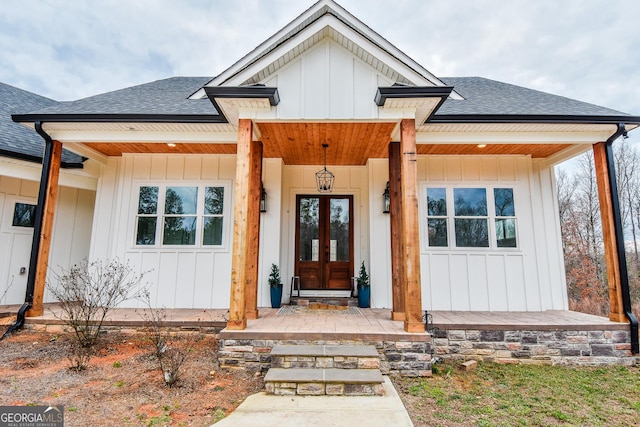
[325, 357]
[333, 382]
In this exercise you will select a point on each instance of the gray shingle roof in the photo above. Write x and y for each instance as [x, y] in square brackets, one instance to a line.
[167, 97]
[482, 98]
[21, 142]
[490, 97]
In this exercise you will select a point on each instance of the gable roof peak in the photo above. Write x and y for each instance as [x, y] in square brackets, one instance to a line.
[323, 19]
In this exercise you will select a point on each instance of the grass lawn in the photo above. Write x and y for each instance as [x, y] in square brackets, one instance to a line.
[523, 395]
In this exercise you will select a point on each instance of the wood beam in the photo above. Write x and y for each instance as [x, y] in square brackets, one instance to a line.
[410, 227]
[616, 309]
[397, 248]
[51, 197]
[255, 191]
[239, 258]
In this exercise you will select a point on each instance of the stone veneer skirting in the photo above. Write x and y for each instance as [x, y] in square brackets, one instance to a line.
[565, 347]
[404, 358]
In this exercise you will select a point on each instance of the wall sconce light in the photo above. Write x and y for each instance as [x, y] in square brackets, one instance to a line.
[263, 199]
[386, 200]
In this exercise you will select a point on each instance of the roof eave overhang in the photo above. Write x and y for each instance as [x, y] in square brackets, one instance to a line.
[228, 99]
[118, 118]
[527, 118]
[37, 159]
[404, 92]
[424, 100]
[243, 92]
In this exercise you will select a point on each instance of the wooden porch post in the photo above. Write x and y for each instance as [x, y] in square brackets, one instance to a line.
[241, 227]
[255, 186]
[410, 227]
[397, 247]
[49, 202]
[616, 310]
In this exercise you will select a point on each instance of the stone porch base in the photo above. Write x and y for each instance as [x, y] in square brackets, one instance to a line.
[566, 347]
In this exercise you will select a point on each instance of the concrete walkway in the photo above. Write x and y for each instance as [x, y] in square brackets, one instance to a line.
[263, 410]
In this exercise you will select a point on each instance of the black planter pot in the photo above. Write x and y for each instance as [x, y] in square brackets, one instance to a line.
[364, 294]
[276, 296]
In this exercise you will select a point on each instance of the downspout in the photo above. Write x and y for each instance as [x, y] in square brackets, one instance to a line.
[37, 230]
[619, 233]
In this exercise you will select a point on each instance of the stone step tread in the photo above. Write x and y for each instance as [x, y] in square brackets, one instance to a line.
[344, 376]
[325, 350]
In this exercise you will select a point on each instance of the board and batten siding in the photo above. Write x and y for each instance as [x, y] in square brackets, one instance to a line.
[177, 277]
[325, 82]
[69, 244]
[527, 278]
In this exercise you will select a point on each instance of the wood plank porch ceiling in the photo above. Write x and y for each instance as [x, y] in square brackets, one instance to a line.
[349, 144]
[537, 151]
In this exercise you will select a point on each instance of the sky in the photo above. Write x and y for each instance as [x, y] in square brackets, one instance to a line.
[69, 49]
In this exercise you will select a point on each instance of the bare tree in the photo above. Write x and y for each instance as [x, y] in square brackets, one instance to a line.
[628, 179]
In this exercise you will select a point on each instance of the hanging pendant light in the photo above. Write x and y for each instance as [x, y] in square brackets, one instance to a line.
[324, 178]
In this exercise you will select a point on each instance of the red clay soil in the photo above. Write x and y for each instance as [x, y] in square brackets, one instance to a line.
[123, 385]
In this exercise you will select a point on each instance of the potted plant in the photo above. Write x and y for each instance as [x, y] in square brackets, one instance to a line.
[275, 283]
[364, 288]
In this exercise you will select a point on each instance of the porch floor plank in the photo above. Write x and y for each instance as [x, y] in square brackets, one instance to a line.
[374, 323]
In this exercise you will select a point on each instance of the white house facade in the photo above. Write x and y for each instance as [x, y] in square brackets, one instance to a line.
[20, 173]
[467, 163]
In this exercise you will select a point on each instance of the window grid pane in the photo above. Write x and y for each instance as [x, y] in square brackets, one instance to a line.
[437, 217]
[146, 230]
[470, 202]
[181, 200]
[214, 200]
[212, 231]
[437, 232]
[472, 233]
[179, 230]
[148, 201]
[505, 218]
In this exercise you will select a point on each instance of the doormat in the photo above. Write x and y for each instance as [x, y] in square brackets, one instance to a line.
[302, 309]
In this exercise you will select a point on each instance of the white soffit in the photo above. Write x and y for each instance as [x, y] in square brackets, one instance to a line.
[514, 134]
[516, 127]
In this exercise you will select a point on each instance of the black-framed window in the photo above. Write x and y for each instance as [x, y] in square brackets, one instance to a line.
[24, 215]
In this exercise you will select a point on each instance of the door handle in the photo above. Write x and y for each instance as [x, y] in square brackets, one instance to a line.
[326, 254]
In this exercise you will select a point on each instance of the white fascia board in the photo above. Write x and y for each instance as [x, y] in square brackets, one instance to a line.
[511, 137]
[31, 171]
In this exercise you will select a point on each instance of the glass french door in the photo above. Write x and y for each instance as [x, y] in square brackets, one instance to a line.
[324, 242]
